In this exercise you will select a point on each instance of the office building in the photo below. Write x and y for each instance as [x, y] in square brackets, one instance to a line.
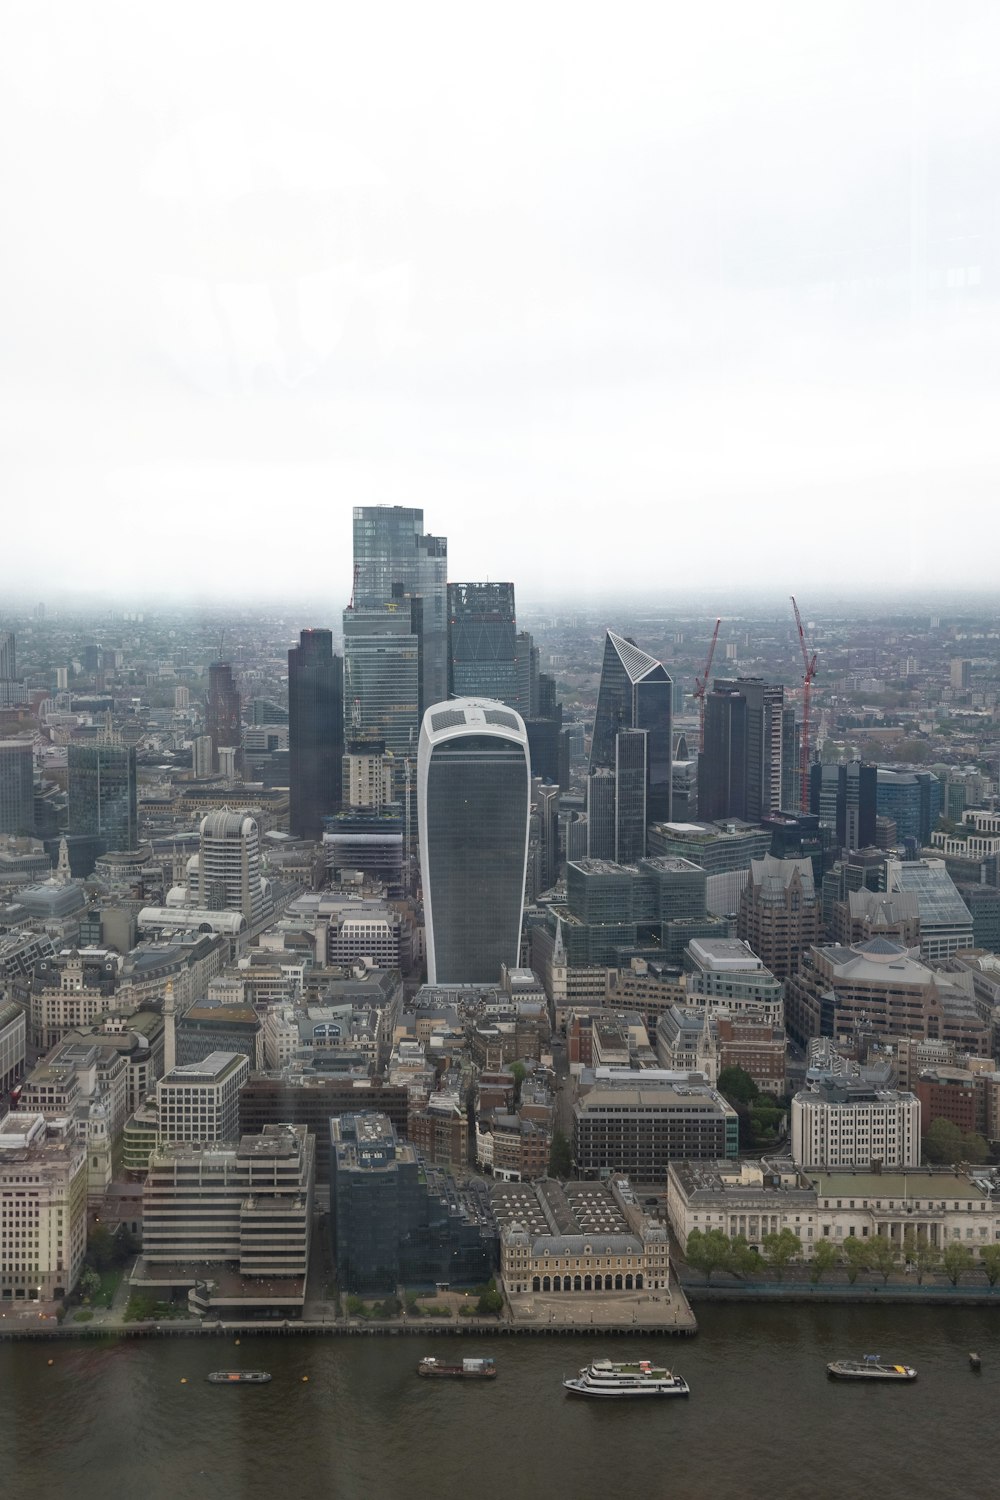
[636, 693]
[638, 1124]
[842, 1122]
[367, 775]
[780, 912]
[394, 560]
[482, 642]
[43, 1207]
[201, 1101]
[720, 848]
[227, 876]
[315, 732]
[13, 692]
[17, 787]
[912, 800]
[739, 772]
[13, 1039]
[230, 1224]
[723, 973]
[370, 841]
[631, 783]
[103, 803]
[311, 1098]
[395, 1221]
[201, 756]
[223, 721]
[382, 675]
[473, 797]
[845, 797]
[879, 988]
[212, 1025]
[791, 762]
[945, 920]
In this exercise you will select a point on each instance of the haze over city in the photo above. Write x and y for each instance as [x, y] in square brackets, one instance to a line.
[706, 293]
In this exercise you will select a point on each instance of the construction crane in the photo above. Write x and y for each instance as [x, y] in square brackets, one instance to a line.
[809, 664]
[701, 686]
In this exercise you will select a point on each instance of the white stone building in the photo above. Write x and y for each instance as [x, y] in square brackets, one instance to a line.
[843, 1122]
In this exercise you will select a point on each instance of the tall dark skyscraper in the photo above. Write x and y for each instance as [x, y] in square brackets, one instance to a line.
[739, 772]
[395, 560]
[636, 692]
[222, 716]
[482, 642]
[102, 794]
[315, 732]
[473, 796]
[17, 787]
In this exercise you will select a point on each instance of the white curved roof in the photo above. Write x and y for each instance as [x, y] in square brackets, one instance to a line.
[462, 716]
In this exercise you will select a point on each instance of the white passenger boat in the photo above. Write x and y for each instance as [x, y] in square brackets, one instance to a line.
[605, 1380]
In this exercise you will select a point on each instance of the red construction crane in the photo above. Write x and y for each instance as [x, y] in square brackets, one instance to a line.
[701, 685]
[809, 663]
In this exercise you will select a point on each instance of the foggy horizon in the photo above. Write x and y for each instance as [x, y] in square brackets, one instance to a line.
[703, 302]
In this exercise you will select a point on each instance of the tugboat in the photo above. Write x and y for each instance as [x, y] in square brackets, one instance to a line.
[869, 1368]
[604, 1379]
[238, 1377]
[469, 1369]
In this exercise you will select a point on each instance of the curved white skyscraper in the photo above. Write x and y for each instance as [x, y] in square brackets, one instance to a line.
[473, 799]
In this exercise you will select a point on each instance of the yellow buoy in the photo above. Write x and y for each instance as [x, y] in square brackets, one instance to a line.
[235, 1341]
[51, 1361]
[305, 1377]
[183, 1380]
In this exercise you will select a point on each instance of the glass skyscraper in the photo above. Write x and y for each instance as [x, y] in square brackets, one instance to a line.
[102, 794]
[382, 675]
[17, 787]
[482, 642]
[315, 732]
[473, 799]
[636, 692]
[394, 560]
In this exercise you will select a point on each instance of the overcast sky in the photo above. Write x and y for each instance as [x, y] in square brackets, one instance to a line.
[625, 297]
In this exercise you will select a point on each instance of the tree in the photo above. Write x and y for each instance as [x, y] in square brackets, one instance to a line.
[990, 1257]
[974, 1148]
[743, 1258]
[857, 1257]
[737, 1086]
[707, 1251]
[490, 1304]
[943, 1143]
[780, 1248]
[824, 1259]
[921, 1254]
[956, 1260]
[100, 1248]
[560, 1155]
[90, 1283]
[519, 1072]
[882, 1255]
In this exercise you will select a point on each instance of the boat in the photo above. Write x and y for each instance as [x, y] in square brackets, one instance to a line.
[606, 1380]
[869, 1368]
[239, 1377]
[469, 1369]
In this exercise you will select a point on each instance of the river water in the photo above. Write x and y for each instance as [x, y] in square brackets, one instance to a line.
[115, 1420]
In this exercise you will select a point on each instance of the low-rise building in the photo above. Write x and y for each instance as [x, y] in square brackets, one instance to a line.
[939, 1205]
[13, 1039]
[636, 1124]
[578, 1238]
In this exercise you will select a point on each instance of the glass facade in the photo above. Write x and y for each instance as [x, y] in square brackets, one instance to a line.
[17, 787]
[315, 732]
[102, 794]
[394, 560]
[636, 693]
[382, 677]
[482, 642]
[473, 814]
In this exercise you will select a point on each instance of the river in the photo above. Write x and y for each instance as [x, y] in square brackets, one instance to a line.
[347, 1419]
